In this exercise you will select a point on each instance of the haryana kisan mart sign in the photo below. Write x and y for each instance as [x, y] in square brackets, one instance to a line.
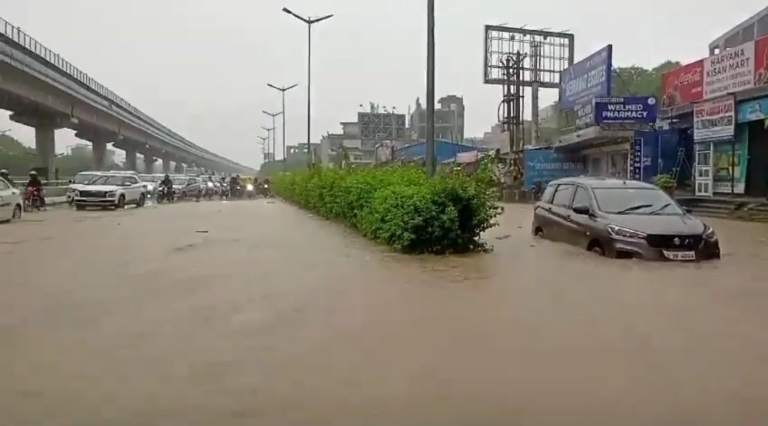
[732, 71]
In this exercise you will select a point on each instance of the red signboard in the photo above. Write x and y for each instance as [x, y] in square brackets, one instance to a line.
[761, 61]
[683, 85]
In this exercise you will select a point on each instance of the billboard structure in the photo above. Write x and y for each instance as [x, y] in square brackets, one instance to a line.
[548, 53]
[381, 126]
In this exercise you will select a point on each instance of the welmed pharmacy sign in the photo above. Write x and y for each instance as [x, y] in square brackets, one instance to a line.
[625, 110]
[587, 78]
[730, 71]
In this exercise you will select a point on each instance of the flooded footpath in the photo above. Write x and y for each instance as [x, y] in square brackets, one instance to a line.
[256, 313]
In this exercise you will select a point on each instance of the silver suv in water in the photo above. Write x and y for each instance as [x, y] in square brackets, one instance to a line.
[621, 218]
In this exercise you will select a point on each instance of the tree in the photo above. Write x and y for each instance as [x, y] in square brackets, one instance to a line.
[634, 80]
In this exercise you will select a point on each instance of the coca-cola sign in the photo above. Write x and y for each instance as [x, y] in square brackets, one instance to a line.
[683, 85]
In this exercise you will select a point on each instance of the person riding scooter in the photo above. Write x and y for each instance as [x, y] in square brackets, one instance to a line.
[36, 185]
[166, 187]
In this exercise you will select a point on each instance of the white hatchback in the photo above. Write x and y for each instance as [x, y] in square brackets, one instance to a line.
[10, 202]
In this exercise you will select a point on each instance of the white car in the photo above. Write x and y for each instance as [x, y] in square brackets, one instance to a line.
[11, 204]
[111, 191]
[78, 182]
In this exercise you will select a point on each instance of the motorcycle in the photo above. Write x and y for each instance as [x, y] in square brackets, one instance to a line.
[209, 190]
[250, 192]
[224, 193]
[536, 191]
[33, 199]
[236, 192]
[264, 190]
[164, 194]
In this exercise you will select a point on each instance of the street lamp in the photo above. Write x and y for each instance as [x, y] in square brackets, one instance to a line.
[264, 142]
[269, 132]
[282, 91]
[273, 115]
[309, 22]
[430, 142]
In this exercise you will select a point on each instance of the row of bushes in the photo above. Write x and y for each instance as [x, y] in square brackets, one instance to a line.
[399, 205]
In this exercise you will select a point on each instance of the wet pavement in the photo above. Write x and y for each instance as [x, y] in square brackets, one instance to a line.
[256, 313]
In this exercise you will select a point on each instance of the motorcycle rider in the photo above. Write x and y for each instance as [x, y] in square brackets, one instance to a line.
[36, 184]
[233, 184]
[5, 175]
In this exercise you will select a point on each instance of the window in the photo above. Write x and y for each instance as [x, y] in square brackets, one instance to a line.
[4, 185]
[563, 195]
[131, 180]
[190, 181]
[581, 198]
[548, 193]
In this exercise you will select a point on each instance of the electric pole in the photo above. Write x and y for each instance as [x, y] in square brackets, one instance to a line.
[282, 92]
[274, 148]
[269, 133]
[430, 136]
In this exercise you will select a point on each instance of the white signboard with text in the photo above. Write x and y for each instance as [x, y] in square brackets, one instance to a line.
[714, 120]
[730, 71]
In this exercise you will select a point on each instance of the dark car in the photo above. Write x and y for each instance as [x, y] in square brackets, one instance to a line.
[622, 218]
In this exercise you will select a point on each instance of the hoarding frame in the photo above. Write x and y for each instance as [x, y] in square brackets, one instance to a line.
[555, 54]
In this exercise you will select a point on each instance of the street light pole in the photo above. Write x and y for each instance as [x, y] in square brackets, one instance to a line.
[430, 142]
[309, 22]
[282, 92]
[269, 132]
[264, 140]
[274, 150]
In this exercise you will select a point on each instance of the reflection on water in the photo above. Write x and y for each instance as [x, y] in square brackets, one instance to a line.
[303, 322]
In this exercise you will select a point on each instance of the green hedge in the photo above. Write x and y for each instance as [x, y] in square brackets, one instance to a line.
[399, 205]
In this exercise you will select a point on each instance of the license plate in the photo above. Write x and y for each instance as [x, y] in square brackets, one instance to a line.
[680, 255]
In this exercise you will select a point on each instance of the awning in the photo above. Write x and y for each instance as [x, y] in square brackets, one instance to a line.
[591, 137]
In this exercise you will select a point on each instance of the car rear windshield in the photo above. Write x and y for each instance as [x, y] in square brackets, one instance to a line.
[639, 201]
[180, 181]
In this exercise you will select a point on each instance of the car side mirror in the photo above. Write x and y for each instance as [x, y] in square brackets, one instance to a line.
[582, 210]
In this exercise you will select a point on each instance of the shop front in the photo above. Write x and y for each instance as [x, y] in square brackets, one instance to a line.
[751, 122]
[605, 152]
[721, 151]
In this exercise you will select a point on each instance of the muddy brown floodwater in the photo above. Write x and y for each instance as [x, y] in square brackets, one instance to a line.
[275, 317]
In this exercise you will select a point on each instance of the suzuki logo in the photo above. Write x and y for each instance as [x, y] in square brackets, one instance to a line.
[676, 241]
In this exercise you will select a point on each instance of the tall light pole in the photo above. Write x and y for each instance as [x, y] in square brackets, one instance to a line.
[264, 141]
[282, 92]
[273, 115]
[269, 132]
[309, 22]
[430, 142]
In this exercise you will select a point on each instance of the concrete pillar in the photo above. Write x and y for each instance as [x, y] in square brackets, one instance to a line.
[149, 163]
[99, 154]
[179, 168]
[166, 165]
[45, 145]
[130, 159]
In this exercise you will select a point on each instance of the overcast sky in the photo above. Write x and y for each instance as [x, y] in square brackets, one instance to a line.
[201, 67]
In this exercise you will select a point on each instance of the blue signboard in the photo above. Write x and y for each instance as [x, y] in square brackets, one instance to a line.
[636, 159]
[752, 111]
[546, 165]
[585, 114]
[589, 77]
[627, 110]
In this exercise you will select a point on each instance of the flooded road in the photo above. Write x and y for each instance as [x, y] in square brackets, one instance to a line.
[251, 313]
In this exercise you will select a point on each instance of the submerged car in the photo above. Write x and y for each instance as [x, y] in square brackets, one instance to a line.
[622, 218]
[78, 182]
